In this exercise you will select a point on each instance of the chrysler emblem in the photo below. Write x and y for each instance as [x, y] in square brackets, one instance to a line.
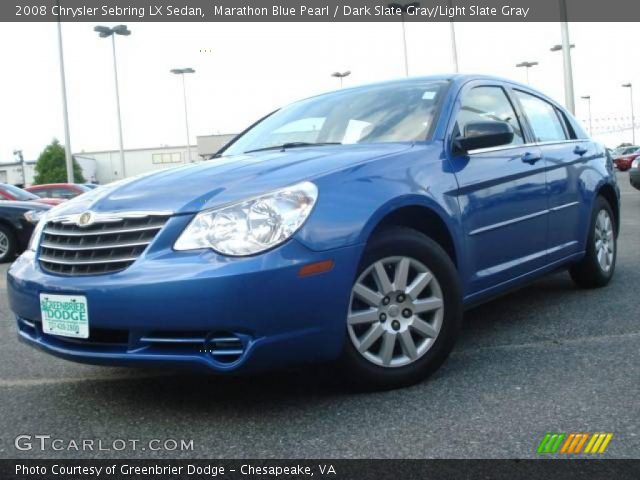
[85, 219]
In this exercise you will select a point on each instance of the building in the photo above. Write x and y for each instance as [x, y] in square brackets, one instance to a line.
[103, 166]
[21, 175]
[143, 160]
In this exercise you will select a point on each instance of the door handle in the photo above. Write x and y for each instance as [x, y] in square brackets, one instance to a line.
[579, 150]
[531, 158]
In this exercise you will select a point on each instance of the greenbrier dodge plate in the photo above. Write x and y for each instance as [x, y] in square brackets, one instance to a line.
[64, 315]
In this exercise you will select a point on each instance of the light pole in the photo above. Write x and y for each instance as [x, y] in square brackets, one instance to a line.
[527, 66]
[18, 153]
[112, 32]
[65, 113]
[181, 72]
[568, 73]
[454, 47]
[341, 75]
[569, 98]
[404, 9]
[633, 118]
[588, 99]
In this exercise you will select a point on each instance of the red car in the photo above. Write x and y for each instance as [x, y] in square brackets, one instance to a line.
[11, 192]
[63, 191]
[625, 157]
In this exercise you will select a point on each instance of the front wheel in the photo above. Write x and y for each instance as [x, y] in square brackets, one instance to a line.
[8, 244]
[404, 312]
[597, 266]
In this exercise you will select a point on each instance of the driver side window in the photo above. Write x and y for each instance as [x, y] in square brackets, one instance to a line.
[486, 104]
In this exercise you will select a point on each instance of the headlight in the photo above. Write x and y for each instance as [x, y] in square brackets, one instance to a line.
[251, 226]
[37, 233]
[34, 216]
[636, 163]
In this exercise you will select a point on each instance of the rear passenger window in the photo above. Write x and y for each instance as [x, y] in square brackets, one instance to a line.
[543, 118]
[482, 104]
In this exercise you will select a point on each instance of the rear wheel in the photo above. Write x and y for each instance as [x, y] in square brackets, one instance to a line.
[404, 312]
[7, 244]
[597, 266]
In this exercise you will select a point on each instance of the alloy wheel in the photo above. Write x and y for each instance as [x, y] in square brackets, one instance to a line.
[4, 244]
[604, 240]
[396, 311]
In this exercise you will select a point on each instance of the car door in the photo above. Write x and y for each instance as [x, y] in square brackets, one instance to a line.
[502, 193]
[565, 158]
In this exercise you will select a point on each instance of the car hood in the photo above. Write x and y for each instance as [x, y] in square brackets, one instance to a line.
[21, 205]
[208, 184]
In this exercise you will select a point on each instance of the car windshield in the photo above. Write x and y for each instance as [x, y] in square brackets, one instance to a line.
[18, 193]
[388, 113]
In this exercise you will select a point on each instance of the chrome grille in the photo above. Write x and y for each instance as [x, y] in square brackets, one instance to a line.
[105, 246]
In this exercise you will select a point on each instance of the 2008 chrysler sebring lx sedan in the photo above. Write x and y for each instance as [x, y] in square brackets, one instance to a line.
[353, 226]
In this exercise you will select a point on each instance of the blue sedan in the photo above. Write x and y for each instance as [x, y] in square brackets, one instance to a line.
[354, 226]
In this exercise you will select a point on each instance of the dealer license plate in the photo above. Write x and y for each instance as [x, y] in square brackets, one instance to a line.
[64, 315]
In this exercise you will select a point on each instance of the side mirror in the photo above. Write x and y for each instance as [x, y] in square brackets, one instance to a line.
[484, 135]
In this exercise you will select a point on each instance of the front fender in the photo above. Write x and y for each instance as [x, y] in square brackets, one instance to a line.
[353, 201]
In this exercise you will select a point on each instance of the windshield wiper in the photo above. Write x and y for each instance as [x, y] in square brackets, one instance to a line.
[284, 146]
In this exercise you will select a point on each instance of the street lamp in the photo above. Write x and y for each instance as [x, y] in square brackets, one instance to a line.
[105, 32]
[569, 98]
[18, 153]
[341, 75]
[181, 72]
[454, 47]
[588, 99]
[65, 113]
[527, 66]
[557, 48]
[404, 9]
[568, 73]
[633, 119]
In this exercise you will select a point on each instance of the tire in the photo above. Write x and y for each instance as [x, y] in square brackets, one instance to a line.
[424, 257]
[8, 244]
[590, 272]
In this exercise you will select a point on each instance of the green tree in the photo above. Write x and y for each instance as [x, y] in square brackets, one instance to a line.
[51, 167]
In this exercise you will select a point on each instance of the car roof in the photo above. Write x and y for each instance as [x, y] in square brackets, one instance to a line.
[49, 185]
[457, 79]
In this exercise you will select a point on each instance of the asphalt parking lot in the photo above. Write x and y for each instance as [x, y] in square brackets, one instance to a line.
[549, 357]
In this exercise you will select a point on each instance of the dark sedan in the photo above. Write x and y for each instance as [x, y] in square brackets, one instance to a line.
[17, 221]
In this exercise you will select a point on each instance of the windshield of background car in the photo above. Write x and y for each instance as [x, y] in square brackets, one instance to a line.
[390, 113]
[18, 193]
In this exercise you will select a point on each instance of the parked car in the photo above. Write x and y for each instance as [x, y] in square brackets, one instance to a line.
[625, 156]
[64, 191]
[634, 173]
[11, 192]
[354, 226]
[17, 221]
[90, 186]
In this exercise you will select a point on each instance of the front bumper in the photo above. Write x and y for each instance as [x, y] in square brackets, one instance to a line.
[198, 309]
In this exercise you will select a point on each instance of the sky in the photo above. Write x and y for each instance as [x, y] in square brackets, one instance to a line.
[245, 70]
